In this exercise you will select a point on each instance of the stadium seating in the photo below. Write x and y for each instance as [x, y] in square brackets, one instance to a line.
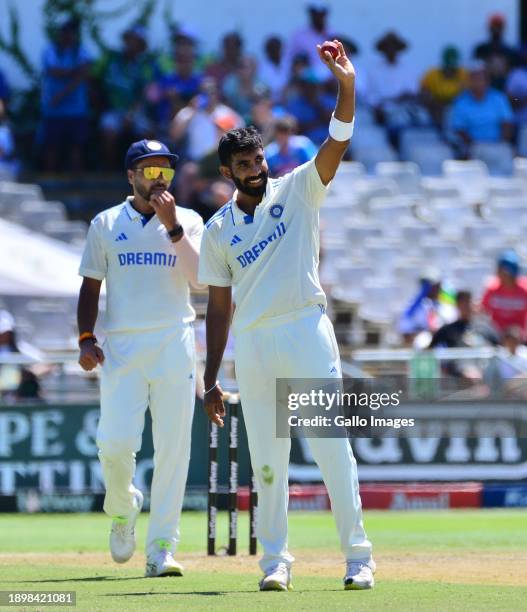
[25, 205]
[395, 221]
[497, 156]
[430, 157]
[411, 137]
[520, 167]
[35, 213]
[522, 141]
[12, 194]
[382, 223]
[371, 155]
[406, 174]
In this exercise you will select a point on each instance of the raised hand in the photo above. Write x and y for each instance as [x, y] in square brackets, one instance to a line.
[341, 66]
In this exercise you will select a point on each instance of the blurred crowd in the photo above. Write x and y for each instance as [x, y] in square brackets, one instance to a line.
[91, 107]
[438, 317]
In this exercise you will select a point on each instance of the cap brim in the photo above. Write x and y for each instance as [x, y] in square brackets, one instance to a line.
[171, 156]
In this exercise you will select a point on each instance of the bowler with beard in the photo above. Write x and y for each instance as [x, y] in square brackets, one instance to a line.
[146, 249]
[261, 251]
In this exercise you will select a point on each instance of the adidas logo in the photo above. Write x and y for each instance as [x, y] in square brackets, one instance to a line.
[333, 370]
[122, 236]
[235, 239]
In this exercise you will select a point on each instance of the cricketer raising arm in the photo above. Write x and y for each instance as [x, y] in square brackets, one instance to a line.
[147, 250]
[264, 244]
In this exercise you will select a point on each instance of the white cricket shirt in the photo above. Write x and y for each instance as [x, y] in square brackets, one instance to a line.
[145, 287]
[270, 260]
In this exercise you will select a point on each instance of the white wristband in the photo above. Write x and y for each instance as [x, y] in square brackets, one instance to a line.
[212, 388]
[340, 130]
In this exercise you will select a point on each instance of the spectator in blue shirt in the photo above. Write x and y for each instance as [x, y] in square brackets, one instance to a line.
[64, 101]
[310, 105]
[123, 75]
[288, 150]
[481, 114]
[174, 88]
[242, 88]
[4, 88]
[9, 165]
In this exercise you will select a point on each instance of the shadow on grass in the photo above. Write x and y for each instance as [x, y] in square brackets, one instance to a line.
[87, 579]
[163, 593]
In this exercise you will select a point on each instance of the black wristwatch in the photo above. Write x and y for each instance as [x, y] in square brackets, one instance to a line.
[176, 233]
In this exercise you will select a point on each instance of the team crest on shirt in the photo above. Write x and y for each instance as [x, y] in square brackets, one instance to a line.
[276, 211]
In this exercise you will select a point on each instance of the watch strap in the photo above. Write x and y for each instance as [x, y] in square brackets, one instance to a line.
[177, 231]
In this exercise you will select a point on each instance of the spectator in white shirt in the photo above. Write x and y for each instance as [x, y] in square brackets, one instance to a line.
[305, 40]
[393, 86]
[506, 374]
[195, 124]
[274, 68]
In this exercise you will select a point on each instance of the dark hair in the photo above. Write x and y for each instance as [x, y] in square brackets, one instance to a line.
[237, 141]
[463, 295]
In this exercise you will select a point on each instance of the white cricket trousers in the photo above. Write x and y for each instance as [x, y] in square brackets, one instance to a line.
[154, 369]
[298, 345]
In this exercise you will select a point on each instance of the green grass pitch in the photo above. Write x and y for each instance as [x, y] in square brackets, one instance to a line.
[446, 560]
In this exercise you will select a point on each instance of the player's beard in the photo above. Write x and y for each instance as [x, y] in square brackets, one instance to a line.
[147, 192]
[248, 189]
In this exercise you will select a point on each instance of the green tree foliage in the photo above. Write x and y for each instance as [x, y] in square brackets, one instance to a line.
[24, 109]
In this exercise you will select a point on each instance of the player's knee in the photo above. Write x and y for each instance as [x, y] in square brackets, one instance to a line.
[118, 448]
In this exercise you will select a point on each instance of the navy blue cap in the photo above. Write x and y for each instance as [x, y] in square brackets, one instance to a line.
[147, 148]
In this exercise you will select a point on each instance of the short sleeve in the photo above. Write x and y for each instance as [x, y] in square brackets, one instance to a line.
[308, 184]
[94, 263]
[213, 268]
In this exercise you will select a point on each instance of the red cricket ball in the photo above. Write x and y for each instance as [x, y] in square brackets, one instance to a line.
[331, 47]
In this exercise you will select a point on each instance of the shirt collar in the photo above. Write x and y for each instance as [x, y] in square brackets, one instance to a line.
[238, 216]
[132, 212]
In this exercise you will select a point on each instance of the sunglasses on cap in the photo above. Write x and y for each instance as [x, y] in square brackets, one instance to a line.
[151, 173]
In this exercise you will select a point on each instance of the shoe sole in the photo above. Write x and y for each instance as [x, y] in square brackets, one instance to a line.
[274, 585]
[121, 560]
[353, 586]
[166, 574]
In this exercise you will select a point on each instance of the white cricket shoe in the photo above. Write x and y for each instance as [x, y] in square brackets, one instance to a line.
[359, 575]
[277, 578]
[122, 535]
[162, 563]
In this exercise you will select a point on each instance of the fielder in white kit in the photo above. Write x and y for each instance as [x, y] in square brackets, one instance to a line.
[264, 244]
[147, 250]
